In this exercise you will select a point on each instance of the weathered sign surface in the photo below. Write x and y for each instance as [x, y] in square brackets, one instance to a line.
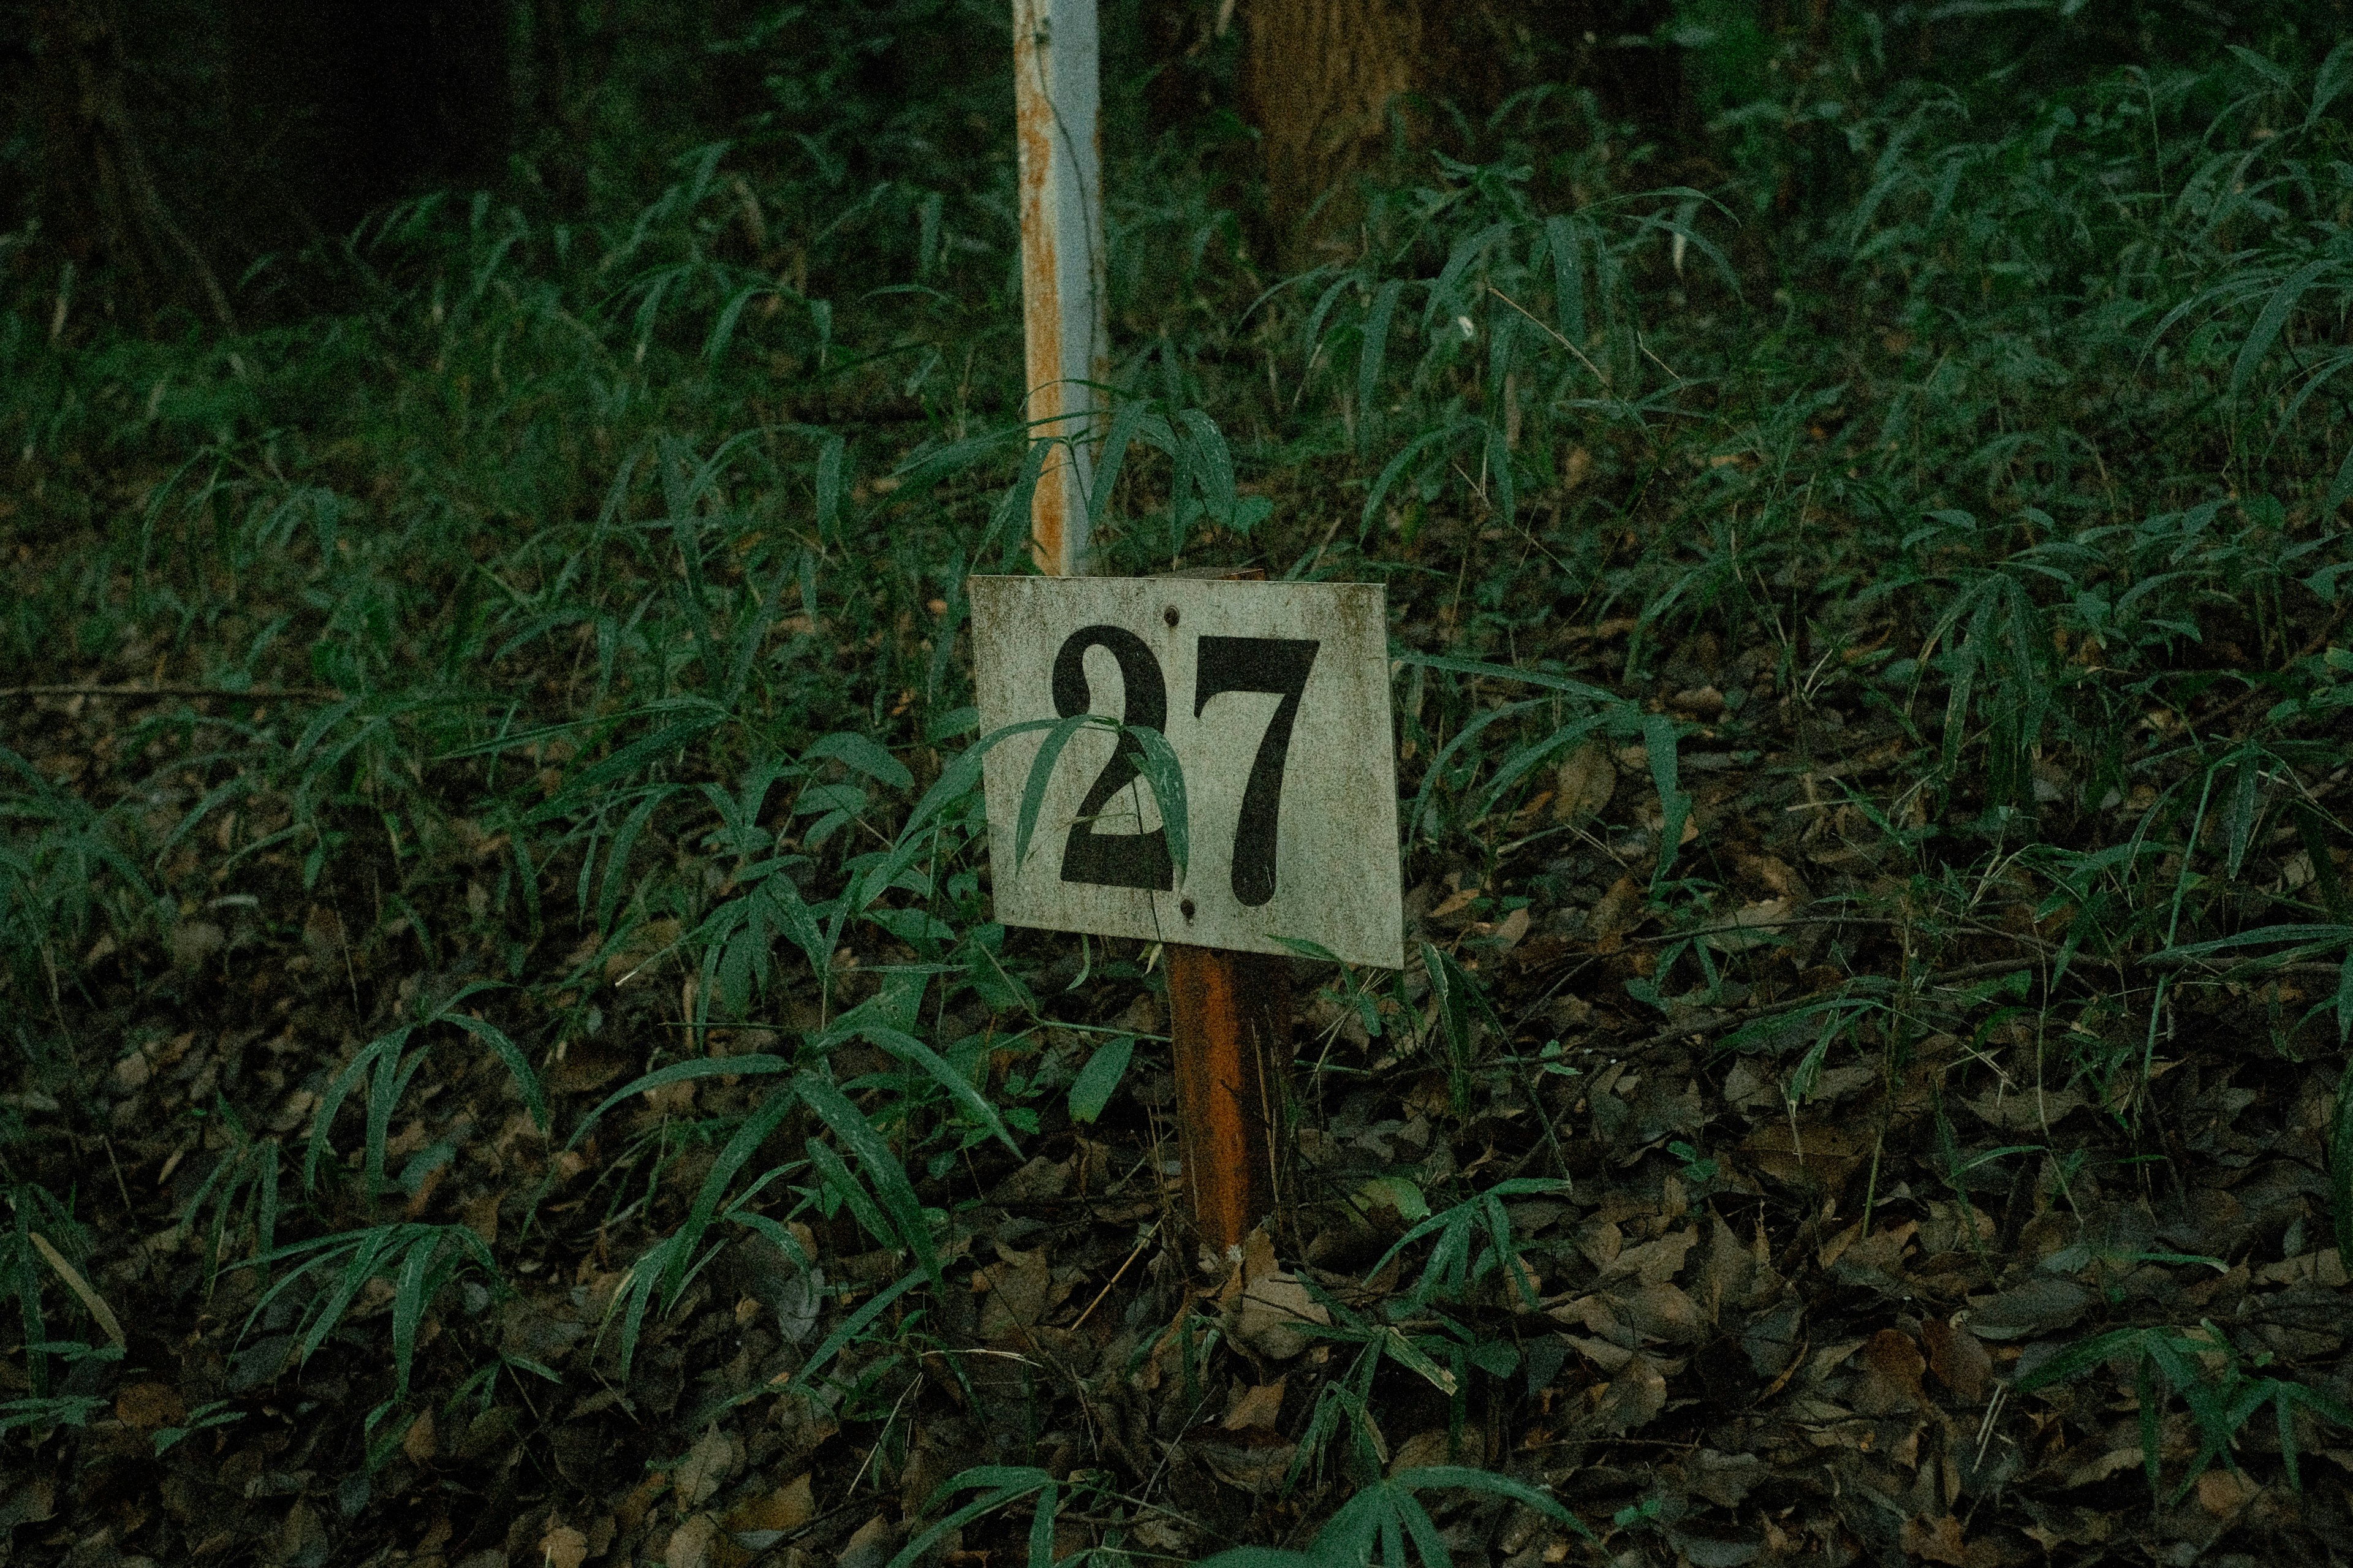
[1274, 700]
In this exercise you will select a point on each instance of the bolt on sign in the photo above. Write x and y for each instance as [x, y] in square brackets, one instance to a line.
[1190, 761]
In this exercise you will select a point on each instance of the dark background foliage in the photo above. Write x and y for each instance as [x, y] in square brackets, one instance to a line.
[508, 1053]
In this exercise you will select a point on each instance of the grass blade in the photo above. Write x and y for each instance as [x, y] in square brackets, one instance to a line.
[883, 1168]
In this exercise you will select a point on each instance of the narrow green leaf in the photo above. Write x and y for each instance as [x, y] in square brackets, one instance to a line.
[997, 1495]
[883, 1168]
[2340, 1128]
[857, 751]
[837, 1179]
[1041, 773]
[638, 755]
[739, 1148]
[1157, 762]
[1097, 1081]
[677, 1072]
[2275, 312]
[517, 1064]
[852, 1326]
[2081, 1357]
[1369, 357]
[913, 1052]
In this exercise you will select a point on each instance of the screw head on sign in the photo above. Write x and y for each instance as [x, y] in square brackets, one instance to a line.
[1186, 909]
[1169, 614]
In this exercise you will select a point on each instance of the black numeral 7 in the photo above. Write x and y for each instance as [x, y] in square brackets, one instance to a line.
[1276, 665]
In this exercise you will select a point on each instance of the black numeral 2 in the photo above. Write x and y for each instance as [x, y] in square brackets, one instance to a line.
[1279, 665]
[1115, 859]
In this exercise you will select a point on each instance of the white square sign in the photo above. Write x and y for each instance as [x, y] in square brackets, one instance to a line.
[1274, 701]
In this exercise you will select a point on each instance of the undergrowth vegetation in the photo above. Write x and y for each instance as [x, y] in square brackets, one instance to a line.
[498, 957]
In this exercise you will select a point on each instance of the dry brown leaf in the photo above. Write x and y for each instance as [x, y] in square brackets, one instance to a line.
[1456, 902]
[2034, 1307]
[1253, 1466]
[1628, 1313]
[1661, 1311]
[1723, 1479]
[1881, 1252]
[563, 1547]
[1422, 1450]
[1600, 1241]
[1959, 1359]
[1823, 1152]
[1776, 874]
[1890, 1366]
[419, 1445]
[1616, 912]
[1704, 703]
[784, 1510]
[1755, 925]
[2222, 1492]
[870, 1547]
[705, 1468]
[1601, 1353]
[2092, 1468]
[144, 1406]
[1273, 1306]
[1504, 934]
[1018, 1285]
[691, 1543]
[299, 1535]
[1040, 1179]
[1584, 783]
[1937, 1541]
[1633, 1397]
[34, 1502]
[1255, 1409]
[2027, 1110]
[1654, 1262]
[630, 1511]
[1522, 1286]
[1727, 1272]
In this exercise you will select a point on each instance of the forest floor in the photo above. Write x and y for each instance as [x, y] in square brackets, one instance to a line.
[1746, 1325]
[511, 1058]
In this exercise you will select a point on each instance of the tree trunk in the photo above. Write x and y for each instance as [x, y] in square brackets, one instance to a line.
[1320, 80]
[98, 197]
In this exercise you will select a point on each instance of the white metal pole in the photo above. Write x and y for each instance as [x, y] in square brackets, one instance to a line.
[1066, 342]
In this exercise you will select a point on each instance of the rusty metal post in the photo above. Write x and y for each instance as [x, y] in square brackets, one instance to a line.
[1064, 335]
[1229, 1033]
[1230, 1017]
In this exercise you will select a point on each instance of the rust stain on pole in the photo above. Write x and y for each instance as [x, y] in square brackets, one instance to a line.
[1064, 340]
[1229, 1017]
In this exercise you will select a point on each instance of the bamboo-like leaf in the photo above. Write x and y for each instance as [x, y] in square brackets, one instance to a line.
[339, 1090]
[1374, 350]
[517, 1064]
[678, 1072]
[2275, 312]
[1659, 735]
[857, 751]
[916, 1053]
[1112, 457]
[1041, 773]
[739, 1148]
[1001, 1484]
[1156, 760]
[852, 1327]
[100, 1313]
[883, 1168]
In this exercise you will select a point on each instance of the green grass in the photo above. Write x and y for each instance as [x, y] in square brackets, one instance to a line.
[587, 605]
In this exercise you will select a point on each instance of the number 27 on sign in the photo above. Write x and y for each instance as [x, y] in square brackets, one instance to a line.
[1267, 815]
